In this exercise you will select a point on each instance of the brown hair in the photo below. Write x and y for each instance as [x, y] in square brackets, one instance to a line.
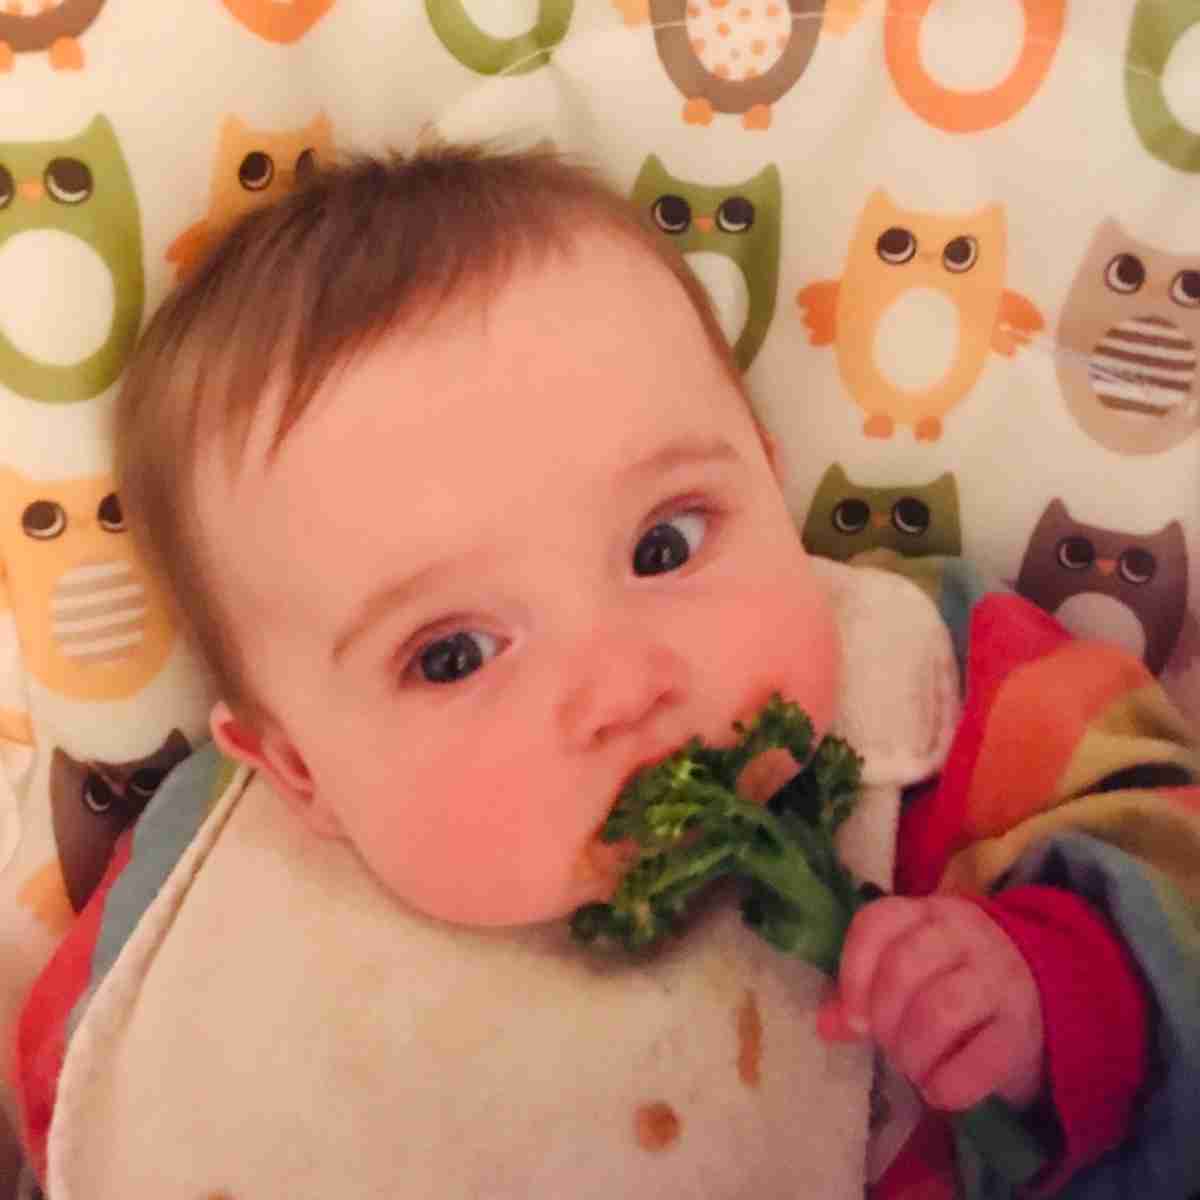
[298, 288]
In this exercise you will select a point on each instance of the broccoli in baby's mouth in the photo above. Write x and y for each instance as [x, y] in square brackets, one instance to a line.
[692, 828]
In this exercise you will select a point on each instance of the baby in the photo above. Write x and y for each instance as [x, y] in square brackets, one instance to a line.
[463, 498]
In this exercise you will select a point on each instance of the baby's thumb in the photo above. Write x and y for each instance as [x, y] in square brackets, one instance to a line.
[832, 1024]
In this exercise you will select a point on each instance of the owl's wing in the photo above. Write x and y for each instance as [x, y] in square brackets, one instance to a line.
[186, 251]
[818, 304]
[1016, 322]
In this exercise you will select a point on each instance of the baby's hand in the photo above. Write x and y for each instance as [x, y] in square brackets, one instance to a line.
[947, 997]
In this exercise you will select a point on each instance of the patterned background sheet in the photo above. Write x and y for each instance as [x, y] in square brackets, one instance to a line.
[956, 244]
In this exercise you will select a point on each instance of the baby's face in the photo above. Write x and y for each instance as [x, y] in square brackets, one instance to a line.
[503, 564]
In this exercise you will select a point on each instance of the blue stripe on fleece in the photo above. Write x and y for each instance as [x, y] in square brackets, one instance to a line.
[160, 837]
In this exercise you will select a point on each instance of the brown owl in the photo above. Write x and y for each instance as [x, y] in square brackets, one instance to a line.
[252, 167]
[93, 803]
[737, 56]
[1127, 344]
[28, 26]
[1146, 574]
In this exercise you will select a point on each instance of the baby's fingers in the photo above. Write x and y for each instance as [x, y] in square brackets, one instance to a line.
[874, 929]
[978, 1067]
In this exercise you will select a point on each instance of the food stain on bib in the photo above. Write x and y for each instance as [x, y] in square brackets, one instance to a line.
[656, 1126]
[750, 1038]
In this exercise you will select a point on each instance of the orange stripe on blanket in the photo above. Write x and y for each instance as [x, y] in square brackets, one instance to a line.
[1038, 717]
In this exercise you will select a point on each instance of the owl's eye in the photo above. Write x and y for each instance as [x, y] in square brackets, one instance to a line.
[735, 215]
[8, 189]
[896, 245]
[911, 516]
[256, 172]
[1076, 553]
[1185, 289]
[672, 214]
[960, 254]
[68, 180]
[97, 795]
[1137, 565]
[44, 519]
[306, 164]
[1125, 273]
[851, 516]
[112, 516]
[144, 782]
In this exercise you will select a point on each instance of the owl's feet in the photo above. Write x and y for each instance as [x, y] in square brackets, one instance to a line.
[633, 12]
[879, 425]
[6, 57]
[66, 55]
[929, 429]
[758, 116]
[698, 111]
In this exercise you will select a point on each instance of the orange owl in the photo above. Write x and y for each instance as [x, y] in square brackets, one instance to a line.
[920, 305]
[252, 168]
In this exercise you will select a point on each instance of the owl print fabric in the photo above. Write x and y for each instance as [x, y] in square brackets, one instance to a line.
[953, 243]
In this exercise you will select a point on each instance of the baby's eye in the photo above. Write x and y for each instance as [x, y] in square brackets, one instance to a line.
[669, 544]
[452, 658]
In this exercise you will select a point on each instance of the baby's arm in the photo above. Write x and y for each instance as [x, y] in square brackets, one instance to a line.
[1028, 994]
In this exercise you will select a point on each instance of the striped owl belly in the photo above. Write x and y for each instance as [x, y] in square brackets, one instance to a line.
[98, 612]
[1144, 366]
[738, 39]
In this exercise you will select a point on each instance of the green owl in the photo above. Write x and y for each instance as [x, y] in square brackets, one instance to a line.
[80, 187]
[488, 55]
[846, 518]
[740, 222]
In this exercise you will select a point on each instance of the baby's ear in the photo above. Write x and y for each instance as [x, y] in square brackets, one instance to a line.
[268, 750]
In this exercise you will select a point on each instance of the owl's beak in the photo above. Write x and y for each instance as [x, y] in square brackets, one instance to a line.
[704, 224]
[879, 520]
[1106, 565]
[31, 189]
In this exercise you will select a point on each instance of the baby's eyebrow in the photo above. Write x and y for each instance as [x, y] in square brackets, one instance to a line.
[686, 452]
[394, 595]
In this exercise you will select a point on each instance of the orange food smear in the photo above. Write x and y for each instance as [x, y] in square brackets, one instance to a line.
[656, 1126]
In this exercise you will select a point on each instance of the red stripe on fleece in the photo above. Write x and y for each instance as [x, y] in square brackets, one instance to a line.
[1006, 632]
[1095, 1012]
[42, 1029]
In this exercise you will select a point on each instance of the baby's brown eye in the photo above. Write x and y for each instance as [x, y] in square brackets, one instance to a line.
[112, 517]
[911, 516]
[960, 254]
[452, 658]
[256, 172]
[68, 180]
[672, 214]
[1125, 273]
[1076, 553]
[7, 187]
[896, 246]
[1137, 566]
[669, 544]
[851, 516]
[44, 519]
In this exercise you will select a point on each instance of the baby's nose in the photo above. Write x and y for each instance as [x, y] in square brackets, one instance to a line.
[619, 686]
